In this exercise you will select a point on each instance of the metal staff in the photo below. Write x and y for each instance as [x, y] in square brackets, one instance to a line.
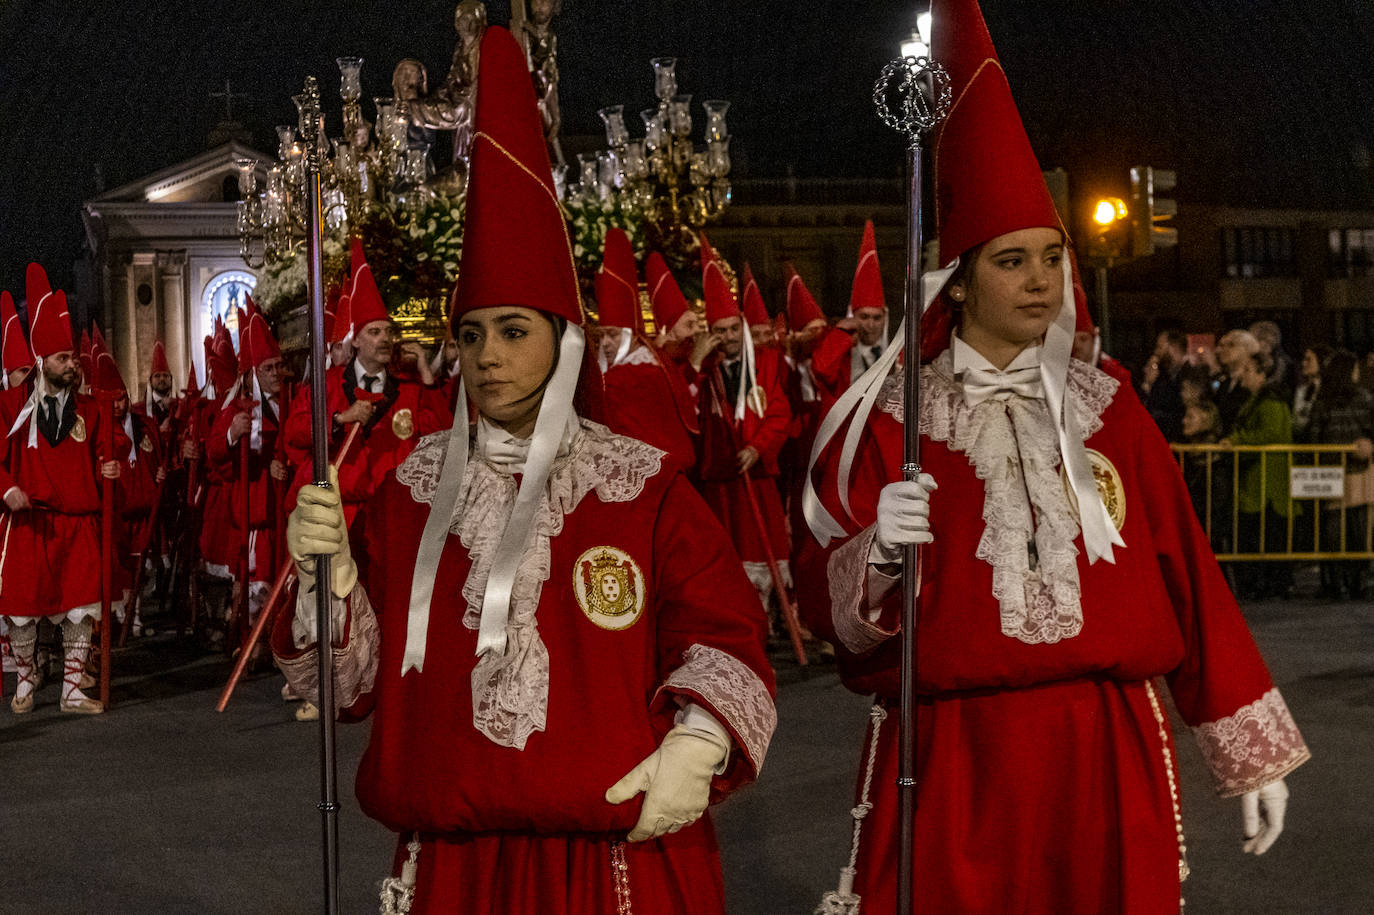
[312, 136]
[923, 92]
[106, 402]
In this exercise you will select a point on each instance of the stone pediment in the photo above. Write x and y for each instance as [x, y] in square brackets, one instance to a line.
[201, 179]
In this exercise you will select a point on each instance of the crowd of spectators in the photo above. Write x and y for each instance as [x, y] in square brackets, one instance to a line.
[1248, 391]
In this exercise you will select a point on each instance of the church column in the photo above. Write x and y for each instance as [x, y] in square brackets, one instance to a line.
[172, 319]
[120, 330]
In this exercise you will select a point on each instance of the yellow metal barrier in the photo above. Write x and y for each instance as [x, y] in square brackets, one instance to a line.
[1254, 506]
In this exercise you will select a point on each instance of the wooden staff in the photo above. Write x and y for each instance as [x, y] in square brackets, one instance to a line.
[285, 577]
[135, 591]
[106, 402]
[789, 610]
[240, 614]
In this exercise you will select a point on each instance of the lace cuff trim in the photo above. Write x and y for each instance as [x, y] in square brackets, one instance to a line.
[847, 571]
[355, 662]
[734, 694]
[1257, 745]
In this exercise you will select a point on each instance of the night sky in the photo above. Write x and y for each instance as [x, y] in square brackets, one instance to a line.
[1254, 103]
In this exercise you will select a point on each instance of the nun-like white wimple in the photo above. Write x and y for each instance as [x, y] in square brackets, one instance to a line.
[554, 411]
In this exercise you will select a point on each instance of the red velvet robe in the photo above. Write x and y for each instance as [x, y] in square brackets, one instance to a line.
[1044, 771]
[509, 831]
[650, 400]
[717, 471]
[832, 365]
[50, 554]
[136, 489]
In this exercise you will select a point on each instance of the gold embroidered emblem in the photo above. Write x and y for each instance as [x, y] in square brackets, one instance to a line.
[403, 424]
[757, 400]
[146, 444]
[79, 430]
[609, 587]
[1109, 487]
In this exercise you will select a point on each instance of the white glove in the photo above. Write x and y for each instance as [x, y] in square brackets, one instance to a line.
[1261, 831]
[676, 781]
[903, 517]
[317, 526]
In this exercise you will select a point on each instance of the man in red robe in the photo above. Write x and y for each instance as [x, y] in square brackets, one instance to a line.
[393, 412]
[744, 418]
[646, 396]
[1064, 576]
[50, 478]
[849, 348]
[15, 358]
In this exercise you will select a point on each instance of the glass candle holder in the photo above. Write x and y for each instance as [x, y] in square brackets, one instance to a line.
[286, 138]
[718, 157]
[665, 77]
[248, 176]
[653, 128]
[680, 115]
[350, 78]
[587, 166]
[715, 119]
[613, 116]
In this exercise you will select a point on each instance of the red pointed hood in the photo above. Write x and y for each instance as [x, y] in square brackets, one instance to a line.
[1083, 320]
[365, 303]
[801, 306]
[720, 298]
[50, 326]
[159, 363]
[516, 248]
[244, 358]
[222, 364]
[987, 179]
[14, 352]
[617, 283]
[259, 343]
[106, 377]
[867, 291]
[755, 311]
[665, 296]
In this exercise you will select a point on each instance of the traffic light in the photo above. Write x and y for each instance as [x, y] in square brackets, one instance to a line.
[1149, 209]
[1110, 238]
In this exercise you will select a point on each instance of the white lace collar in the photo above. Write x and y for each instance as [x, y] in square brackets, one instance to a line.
[510, 691]
[1040, 604]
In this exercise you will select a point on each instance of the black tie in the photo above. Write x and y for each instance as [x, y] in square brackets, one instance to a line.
[732, 381]
[48, 421]
[368, 382]
[874, 353]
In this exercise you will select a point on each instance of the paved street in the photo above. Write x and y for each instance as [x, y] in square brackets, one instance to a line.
[163, 806]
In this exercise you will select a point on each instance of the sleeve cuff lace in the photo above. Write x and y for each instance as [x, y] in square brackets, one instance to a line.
[1253, 747]
[731, 692]
[848, 572]
[355, 659]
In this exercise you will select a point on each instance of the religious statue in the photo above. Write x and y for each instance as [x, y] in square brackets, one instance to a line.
[535, 31]
[450, 106]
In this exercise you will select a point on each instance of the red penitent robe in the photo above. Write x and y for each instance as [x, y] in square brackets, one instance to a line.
[50, 554]
[832, 365]
[648, 398]
[1045, 773]
[222, 534]
[136, 488]
[507, 795]
[405, 412]
[717, 470]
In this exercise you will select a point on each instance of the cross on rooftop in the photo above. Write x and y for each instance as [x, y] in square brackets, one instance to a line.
[228, 95]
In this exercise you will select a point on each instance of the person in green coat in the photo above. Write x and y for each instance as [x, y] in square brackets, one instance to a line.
[1263, 488]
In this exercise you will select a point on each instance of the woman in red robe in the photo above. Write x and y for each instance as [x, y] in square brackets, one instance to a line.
[558, 647]
[1065, 577]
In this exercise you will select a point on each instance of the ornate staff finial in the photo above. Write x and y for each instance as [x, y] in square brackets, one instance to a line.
[310, 125]
[923, 94]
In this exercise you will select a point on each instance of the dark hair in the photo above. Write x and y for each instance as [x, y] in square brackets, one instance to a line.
[1177, 338]
[1262, 361]
[1337, 372]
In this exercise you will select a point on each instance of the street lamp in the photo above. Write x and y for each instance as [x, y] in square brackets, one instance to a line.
[1109, 213]
[918, 43]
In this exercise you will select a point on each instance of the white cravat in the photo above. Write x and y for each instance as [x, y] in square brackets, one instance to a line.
[982, 380]
[507, 453]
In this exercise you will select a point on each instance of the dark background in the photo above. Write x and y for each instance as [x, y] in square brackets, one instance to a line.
[1254, 103]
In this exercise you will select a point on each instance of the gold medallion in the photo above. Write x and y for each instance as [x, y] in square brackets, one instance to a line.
[146, 444]
[402, 424]
[79, 429]
[757, 400]
[1109, 487]
[609, 587]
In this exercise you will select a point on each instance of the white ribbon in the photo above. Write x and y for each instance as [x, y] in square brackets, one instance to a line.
[129, 431]
[861, 394]
[748, 379]
[554, 413]
[1099, 531]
